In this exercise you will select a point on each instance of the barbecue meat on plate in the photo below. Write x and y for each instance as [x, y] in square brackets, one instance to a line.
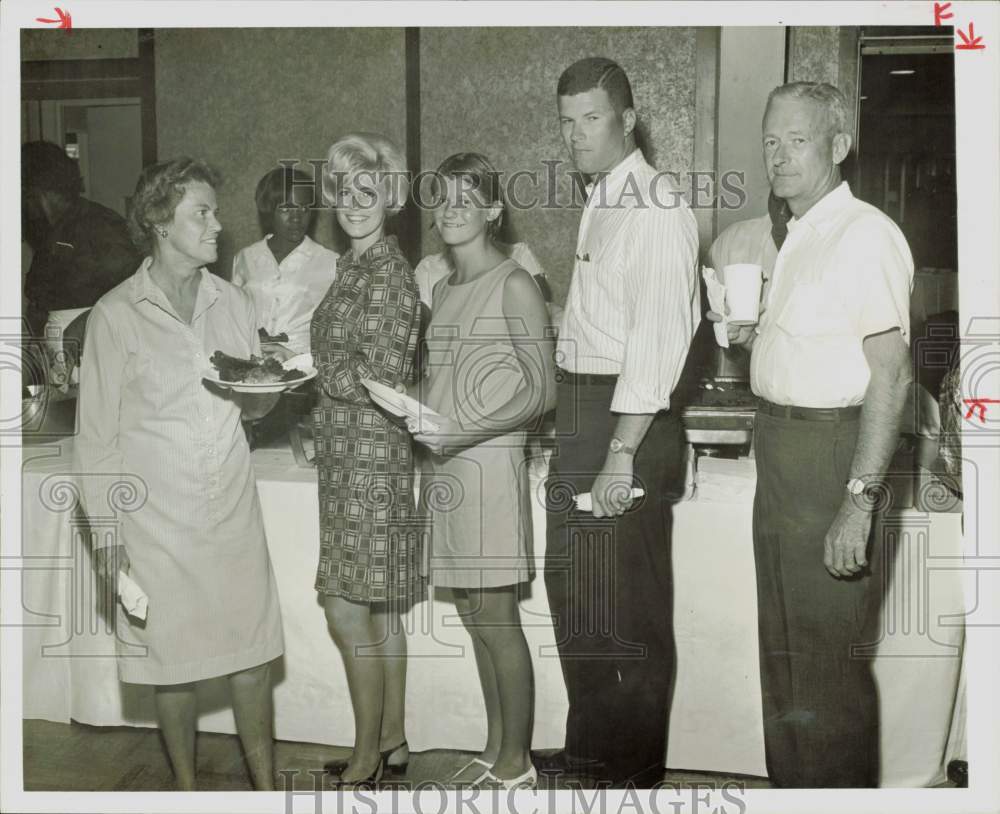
[253, 370]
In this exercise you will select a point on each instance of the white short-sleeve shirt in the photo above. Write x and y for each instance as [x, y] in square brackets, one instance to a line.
[844, 272]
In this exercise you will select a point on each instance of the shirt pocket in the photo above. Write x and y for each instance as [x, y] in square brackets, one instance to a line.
[813, 310]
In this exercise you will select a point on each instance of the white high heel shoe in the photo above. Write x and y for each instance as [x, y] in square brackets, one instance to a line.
[528, 780]
[469, 765]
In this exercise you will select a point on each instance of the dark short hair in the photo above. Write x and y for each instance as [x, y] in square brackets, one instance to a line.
[597, 72]
[46, 166]
[485, 179]
[274, 189]
[160, 188]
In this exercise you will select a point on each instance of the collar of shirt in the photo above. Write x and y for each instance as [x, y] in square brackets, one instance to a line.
[821, 214]
[387, 245]
[614, 178]
[261, 256]
[305, 249]
[145, 288]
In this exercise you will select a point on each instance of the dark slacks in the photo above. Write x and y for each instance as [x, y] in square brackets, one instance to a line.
[610, 590]
[819, 701]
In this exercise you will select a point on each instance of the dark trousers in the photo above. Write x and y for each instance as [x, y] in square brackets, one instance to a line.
[610, 590]
[819, 701]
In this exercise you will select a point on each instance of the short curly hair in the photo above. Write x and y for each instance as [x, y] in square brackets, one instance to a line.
[371, 156]
[159, 189]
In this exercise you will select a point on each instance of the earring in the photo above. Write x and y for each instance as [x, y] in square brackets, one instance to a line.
[161, 232]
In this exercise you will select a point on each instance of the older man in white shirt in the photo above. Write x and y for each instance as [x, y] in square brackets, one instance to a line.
[831, 363]
[631, 312]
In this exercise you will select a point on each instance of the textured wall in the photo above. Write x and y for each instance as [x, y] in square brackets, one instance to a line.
[493, 91]
[243, 98]
[81, 43]
[751, 64]
[826, 54]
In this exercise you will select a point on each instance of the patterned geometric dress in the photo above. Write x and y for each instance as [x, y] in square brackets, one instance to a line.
[366, 327]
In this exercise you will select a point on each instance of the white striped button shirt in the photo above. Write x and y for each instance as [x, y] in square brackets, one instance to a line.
[634, 302]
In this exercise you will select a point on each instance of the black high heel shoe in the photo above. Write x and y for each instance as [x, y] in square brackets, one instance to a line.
[338, 766]
[371, 780]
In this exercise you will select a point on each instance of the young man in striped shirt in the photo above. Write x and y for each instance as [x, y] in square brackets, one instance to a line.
[631, 312]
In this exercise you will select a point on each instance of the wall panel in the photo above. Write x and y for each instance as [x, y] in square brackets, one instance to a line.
[494, 91]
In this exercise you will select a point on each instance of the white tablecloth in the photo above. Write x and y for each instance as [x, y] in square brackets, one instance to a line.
[715, 721]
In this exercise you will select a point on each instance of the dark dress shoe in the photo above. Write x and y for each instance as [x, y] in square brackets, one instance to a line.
[958, 773]
[371, 781]
[338, 766]
[562, 762]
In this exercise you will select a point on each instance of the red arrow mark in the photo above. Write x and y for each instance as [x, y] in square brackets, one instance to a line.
[979, 406]
[941, 12]
[971, 42]
[65, 19]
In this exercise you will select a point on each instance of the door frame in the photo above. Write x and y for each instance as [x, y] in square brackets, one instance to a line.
[98, 80]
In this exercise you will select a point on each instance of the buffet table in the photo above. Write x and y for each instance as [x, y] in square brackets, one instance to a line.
[715, 722]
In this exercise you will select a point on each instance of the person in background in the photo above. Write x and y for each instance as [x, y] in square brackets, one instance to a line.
[490, 374]
[81, 249]
[632, 310]
[437, 266]
[196, 544]
[366, 328]
[287, 273]
[755, 240]
[830, 363]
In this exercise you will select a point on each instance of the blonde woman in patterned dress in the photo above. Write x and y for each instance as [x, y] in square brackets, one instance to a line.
[366, 327]
[490, 374]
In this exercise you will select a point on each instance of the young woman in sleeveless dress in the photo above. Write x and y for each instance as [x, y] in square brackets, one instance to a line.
[490, 373]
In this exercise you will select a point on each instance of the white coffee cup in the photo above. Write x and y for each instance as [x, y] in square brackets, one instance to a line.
[743, 283]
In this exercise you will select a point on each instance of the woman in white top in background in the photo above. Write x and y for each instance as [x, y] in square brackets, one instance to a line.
[287, 273]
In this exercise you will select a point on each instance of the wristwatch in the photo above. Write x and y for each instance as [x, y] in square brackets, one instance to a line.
[617, 445]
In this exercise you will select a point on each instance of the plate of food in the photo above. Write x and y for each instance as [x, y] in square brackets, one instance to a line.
[402, 405]
[259, 375]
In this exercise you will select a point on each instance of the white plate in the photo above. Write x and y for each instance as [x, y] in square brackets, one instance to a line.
[402, 405]
[266, 387]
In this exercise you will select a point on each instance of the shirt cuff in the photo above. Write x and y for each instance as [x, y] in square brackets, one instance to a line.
[633, 400]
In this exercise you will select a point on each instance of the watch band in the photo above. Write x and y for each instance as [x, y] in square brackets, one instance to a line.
[617, 446]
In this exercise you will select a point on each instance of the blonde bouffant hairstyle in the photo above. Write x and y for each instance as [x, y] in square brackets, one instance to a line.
[366, 157]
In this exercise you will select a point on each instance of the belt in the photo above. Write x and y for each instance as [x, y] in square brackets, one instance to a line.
[585, 378]
[810, 413]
